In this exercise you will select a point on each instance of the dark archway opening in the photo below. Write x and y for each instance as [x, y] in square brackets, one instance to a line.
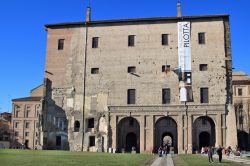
[243, 140]
[167, 139]
[131, 141]
[76, 126]
[204, 139]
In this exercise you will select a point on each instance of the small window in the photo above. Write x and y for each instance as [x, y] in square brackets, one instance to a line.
[165, 68]
[27, 134]
[164, 39]
[95, 42]
[131, 69]
[92, 141]
[16, 124]
[27, 125]
[203, 67]
[27, 113]
[166, 96]
[60, 44]
[94, 70]
[131, 40]
[77, 126]
[16, 134]
[239, 91]
[91, 123]
[204, 95]
[201, 38]
[131, 96]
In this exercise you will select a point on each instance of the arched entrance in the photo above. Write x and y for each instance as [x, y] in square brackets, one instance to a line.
[243, 140]
[203, 133]
[128, 135]
[165, 132]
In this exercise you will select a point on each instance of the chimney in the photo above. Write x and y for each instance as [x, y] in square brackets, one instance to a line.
[179, 9]
[88, 14]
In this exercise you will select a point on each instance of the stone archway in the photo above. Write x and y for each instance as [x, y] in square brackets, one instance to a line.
[203, 133]
[128, 135]
[243, 140]
[165, 127]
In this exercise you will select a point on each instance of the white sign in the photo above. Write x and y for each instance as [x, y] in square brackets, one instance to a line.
[184, 46]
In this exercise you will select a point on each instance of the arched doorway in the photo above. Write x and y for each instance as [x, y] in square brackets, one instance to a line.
[203, 133]
[165, 131]
[204, 139]
[128, 135]
[243, 140]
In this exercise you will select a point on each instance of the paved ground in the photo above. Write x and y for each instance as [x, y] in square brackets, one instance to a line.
[234, 159]
[163, 161]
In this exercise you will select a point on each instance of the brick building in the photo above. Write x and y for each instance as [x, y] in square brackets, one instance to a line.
[25, 121]
[107, 87]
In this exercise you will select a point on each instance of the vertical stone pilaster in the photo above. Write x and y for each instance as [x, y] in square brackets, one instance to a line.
[185, 133]
[190, 132]
[218, 130]
[150, 133]
[224, 128]
[142, 133]
[180, 134]
[113, 124]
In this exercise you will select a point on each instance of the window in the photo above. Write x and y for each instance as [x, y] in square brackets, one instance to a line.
[94, 70]
[16, 124]
[166, 96]
[131, 96]
[77, 126]
[91, 123]
[165, 68]
[27, 134]
[27, 113]
[95, 42]
[58, 140]
[92, 141]
[131, 69]
[204, 95]
[201, 38]
[37, 124]
[131, 40]
[26, 143]
[36, 134]
[16, 134]
[203, 67]
[239, 91]
[60, 44]
[27, 125]
[164, 39]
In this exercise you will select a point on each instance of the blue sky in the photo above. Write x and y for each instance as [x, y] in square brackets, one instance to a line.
[23, 38]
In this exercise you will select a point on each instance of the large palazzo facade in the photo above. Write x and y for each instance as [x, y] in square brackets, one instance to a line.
[114, 85]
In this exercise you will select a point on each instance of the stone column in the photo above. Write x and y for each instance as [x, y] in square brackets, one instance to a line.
[224, 128]
[149, 133]
[185, 133]
[142, 133]
[190, 132]
[218, 130]
[113, 124]
[180, 134]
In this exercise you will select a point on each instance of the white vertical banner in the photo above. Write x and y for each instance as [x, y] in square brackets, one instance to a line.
[184, 46]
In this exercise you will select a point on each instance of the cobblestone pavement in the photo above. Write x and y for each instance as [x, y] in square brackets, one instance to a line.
[163, 161]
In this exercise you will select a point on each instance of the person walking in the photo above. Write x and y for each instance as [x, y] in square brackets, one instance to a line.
[219, 152]
[210, 155]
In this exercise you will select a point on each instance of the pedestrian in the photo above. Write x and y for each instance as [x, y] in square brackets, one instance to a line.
[210, 154]
[160, 151]
[219, 152]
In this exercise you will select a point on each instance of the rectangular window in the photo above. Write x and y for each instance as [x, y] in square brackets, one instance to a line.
[16, 124]
[204, 95]
[91, 123]
[60, 44]
[27, 113]
[239, 91]
[166, 97]
[92, 141]
[27, 134]
[27, 125]
[201, 38]
[131, 69]
[131, 40]
[164, 39]
[203, 67]
[16, 134]
[58, 140]
[94, 70]
[131, 96]
[95, 42]
[165, 68]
